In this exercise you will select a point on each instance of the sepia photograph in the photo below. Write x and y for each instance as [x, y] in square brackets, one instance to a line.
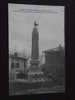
[36, 49]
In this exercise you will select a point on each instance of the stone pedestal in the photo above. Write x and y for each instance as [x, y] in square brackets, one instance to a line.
[35, 74]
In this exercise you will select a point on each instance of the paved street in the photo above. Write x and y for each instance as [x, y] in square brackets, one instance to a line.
[23, 88]
[40, 91]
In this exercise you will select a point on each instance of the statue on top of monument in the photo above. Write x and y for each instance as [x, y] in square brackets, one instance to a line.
[35, 33]
[35, 24]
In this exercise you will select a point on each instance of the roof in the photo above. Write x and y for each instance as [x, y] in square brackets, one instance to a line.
[17, 57]
[53, 49]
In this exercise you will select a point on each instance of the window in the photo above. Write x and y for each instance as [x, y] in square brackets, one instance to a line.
[17, 65]
[12, 65]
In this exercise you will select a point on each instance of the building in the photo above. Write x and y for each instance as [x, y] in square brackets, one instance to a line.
[17, 63]
[54, 59]
[54, 56]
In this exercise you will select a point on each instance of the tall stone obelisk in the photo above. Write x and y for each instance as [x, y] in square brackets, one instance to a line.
[35, 47]
[35, 43]
[34, 71]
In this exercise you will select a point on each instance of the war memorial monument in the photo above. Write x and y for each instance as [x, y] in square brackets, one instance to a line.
[35, 73]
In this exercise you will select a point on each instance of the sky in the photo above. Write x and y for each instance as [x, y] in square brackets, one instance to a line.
[21, 19]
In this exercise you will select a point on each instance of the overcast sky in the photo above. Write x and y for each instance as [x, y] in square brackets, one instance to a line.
[21, 22]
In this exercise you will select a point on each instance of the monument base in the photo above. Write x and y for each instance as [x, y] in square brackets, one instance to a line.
[35, 75]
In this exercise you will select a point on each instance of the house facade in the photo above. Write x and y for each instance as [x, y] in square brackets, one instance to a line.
[16, 63]
[54, 59]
